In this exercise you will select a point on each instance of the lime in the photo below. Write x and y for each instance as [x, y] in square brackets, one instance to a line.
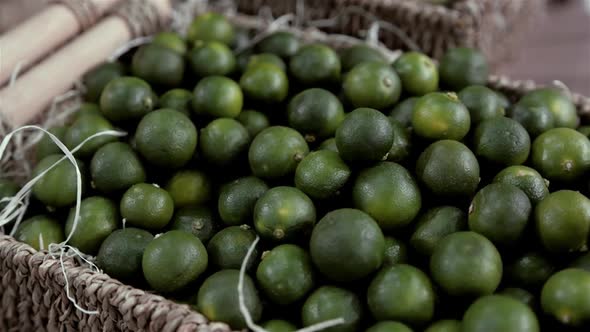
[254, 121]
[315, 113]
[417, 72]
[82, 129]
[211, 27]
[439, 116]
[335, 249]
[177, 99]
[46, 146]
[482, 102]
[466, 263]
[461, 67]
[328, 302]
[285, 274]
[446, 325]
[359, 53]
[218, 299]
[224, 141]
[321, 174]
[502, 141]
[536, 119]
[197, 220]
[211, 58]
[58, 187]
[281, 43]
[434, 225]
[120, 254]
[372, 84]
[147, 206]
[396, 252]
[526, 179]
[39, 232]
[170, 40]
[566, 296]
[284, 214]
[276, 151]
[520, 294]
[166, 138]
[315, 64]
[238, 198]
[158, 65]
[96, 79]
[401, 292]
[389, 194]
[265, 83]
[499, 313]
[189, 188]
[269, 58]
[276, 325]
[173, 260]
[530, 269]
[218, 96]
[561, 154]
[562, 108]
[404, 111]
[227, 249]
[115, 167]
[126, 98]
[401, 147]
[365, 135]
[99, 217]
[563, 221]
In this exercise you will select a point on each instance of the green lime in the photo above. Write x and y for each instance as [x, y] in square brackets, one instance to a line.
[224, 141]
[254, 121]
[359, 53]
[177, 99]
[218, 96]
[126, 98]
[434, 225]
[87, 109]
[238, 198]
[315, 64]
[284, 214]
[365, 135]
[147, 206]
[218, 299]
[329, 302]
[82, 129]
[315, 113]
[584, 130]
[561, 154]
[401, 147]
[396, 252]
[39, 232]
[520, 294]
[502, 141]
[276, 151]
[99, 217]
[482, 102]
[439, 116]
[46, 146]
[526, 179]
[389, 194]
[499, 313]
[335, 249]
[401, 292]
[276, 325]
[173, 260]
[389, 326]
[530, 269]
[448, 168]
[266, 83]
[211, 27]
[269, 58]
[285, 274]
[58, 187]
[170, 40]
[158, 65]
[322, 174]
[211, 58]
[466, 263]
[189, 188]
[563, 221]
[562, 108]
[500, 212]
[227, 249]
[197, 220]
[536, 119]
[115, 167]
[417, 72]
[566, 296]
[96, 79]
[461, 67]
[404, 111]
[120, 254]
[372, 84]
[281, 43]
[166, 138]
[446, 325]
[329, 144]
[7, 189]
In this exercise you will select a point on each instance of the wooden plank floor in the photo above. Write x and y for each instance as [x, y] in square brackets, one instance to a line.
[558, 48]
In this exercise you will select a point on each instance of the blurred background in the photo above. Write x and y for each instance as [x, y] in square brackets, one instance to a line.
[557, 48]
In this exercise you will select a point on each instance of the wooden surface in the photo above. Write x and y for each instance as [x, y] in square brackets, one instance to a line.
[558, 48]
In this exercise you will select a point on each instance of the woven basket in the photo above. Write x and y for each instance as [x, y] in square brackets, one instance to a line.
[494, 26]
[32, 290]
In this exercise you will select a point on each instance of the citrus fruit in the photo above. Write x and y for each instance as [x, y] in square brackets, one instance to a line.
[126, 98]
[39, 232]
[561, 154]
[237, 200]
[121, 252]
[329, 302]
[315, 113]
[189, 188]
[502, 141]
[265, 82]
[315, 64]
[417, 72]
[196, 220]
[218, 96]
[434, 225]
[499, 313]
[321, 174]
[147, 206]
[461, 67]
[372, 84]
[224, 141]
[115, 167]
[99, 217]
[439, 116]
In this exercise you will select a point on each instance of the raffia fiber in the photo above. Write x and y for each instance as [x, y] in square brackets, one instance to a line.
[494, 26]
[32, 283]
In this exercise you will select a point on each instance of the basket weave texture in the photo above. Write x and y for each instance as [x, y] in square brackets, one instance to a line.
[32, 289]
[494, 26]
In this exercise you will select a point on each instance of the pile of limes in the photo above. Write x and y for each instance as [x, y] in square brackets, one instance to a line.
[402, 196]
